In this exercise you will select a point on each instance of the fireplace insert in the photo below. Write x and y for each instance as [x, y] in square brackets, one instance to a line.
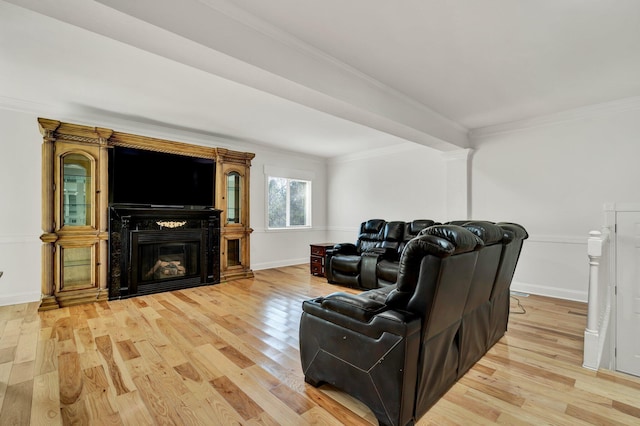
[161, 249]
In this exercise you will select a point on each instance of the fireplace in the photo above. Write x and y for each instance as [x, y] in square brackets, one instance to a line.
[161, 249]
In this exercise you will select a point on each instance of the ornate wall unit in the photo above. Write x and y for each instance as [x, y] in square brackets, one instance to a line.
[232, 196]
[75, 206]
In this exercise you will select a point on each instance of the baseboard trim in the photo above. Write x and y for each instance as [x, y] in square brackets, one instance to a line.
[16, 299]
[541, 290]
[279, 264]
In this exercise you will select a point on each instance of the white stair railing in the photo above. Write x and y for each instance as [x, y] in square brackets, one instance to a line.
[600, 298]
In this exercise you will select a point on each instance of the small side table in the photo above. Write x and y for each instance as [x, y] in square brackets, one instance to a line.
[318, 252]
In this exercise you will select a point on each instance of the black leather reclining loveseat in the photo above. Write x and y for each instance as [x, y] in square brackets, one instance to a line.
[399, 348]
[372, 262]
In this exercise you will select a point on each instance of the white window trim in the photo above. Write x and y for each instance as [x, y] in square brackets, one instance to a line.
[293, 174]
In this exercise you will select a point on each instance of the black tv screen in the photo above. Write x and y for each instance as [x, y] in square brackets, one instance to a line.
[139, 176]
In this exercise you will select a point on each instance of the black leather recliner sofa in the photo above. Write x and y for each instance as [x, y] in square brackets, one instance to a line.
[372, 262]
[399, 348]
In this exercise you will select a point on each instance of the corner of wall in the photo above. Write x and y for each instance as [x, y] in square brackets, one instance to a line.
[458, 183]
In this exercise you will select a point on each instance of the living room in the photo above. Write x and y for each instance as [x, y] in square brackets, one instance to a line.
[553, 173]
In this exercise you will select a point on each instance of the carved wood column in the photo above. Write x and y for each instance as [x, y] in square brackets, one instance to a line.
[102, 214]
[48, 237]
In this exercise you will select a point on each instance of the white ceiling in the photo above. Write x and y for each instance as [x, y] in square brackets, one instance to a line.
[326, 78]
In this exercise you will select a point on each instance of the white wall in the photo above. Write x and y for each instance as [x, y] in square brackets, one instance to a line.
[20, 208]
[405, 182]
[273, 248]
[554, 180]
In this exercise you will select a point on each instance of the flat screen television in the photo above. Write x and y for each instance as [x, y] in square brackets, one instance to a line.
[138, 176]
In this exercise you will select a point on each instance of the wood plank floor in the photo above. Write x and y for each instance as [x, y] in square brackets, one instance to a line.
[228, 354]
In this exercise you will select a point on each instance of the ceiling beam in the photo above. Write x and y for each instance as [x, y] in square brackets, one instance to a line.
[219, 38]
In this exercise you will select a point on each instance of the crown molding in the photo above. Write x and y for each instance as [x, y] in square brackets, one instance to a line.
[149, 128]
[28, 107]
[604, 108]
[375, 153]
[460, 154]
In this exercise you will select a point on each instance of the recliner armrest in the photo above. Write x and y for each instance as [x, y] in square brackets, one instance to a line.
[344, 248]
[374, 251]
[396, 322]
[368, 267]
[387, 253]
[354, 306]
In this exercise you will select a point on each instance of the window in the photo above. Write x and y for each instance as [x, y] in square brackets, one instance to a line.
[289, 202]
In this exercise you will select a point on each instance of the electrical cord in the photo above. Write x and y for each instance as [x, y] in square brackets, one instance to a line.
[522, 309]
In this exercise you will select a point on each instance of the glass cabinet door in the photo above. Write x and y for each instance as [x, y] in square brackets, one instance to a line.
[76, 190]
[234, 256]
[77, 267]
[233, 197]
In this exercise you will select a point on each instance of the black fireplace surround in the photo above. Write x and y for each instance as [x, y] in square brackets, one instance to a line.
[155, 249]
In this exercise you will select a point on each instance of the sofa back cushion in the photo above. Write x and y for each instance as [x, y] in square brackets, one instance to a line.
[392, 238]
[420, 269]
[434, 277]
[494, 239]
[370, 234]
[509, 258]
[413, 228]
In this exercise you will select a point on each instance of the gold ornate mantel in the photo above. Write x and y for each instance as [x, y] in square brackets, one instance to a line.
[75, 233]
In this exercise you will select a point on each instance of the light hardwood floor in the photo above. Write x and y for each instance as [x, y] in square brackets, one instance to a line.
[228, 354]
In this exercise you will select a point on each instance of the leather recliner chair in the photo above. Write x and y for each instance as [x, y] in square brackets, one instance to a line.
[387, 266]
[342, 263]
[401, 355]
[387, 249]
[373, 261]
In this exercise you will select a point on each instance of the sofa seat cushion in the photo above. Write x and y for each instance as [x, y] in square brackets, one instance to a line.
[349, 264]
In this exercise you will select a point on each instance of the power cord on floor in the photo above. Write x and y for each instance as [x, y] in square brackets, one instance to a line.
[522, 309]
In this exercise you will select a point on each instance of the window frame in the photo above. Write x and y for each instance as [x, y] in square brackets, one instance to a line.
[308, 201]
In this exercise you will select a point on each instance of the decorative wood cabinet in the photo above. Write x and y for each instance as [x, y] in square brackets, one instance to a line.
[75, 205]
[232, 197]
[74, 221]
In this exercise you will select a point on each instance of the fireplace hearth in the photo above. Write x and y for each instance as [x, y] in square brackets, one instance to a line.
[156, 249]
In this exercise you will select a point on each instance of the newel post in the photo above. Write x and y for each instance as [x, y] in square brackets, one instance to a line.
[594, 250]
